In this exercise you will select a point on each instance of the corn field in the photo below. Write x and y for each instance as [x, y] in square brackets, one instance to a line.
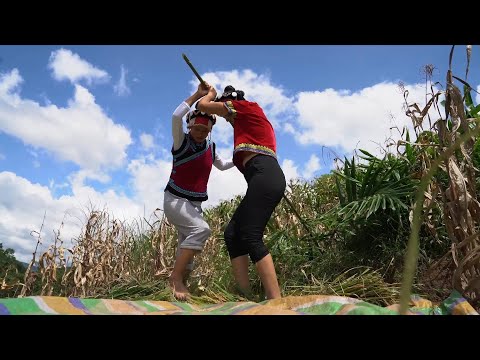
[344, 233]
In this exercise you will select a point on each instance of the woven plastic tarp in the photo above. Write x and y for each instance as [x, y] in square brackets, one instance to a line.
[290, 305]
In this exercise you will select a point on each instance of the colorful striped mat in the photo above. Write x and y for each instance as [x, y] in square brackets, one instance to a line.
[290, 305]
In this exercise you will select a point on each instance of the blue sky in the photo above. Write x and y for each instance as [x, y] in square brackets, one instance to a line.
[88, 125]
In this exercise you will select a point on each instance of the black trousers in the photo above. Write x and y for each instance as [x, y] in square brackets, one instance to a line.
[266, 186]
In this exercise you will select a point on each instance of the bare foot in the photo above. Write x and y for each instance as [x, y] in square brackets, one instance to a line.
[180, 291]
[247, 293]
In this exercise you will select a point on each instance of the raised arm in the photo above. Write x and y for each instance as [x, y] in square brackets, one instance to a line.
[207, 104]
[177, 128]
[221, 164]
[182, 109]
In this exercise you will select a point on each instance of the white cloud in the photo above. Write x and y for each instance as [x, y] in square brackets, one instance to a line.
[23, 204]
[45, 99]
[147, 141]
[81, 133]
[10, 82]
[22, 207]
[77, 179]
[311, 167]
[289, 129]
[350, 120]
[69, 66]
[121, 206]
[224, 185]
[149, 178]
[290, 170]
[222, 132]
[52, 185]
[121, 88]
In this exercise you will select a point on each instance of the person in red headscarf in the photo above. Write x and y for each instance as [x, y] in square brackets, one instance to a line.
[193, 157]
[255, 156]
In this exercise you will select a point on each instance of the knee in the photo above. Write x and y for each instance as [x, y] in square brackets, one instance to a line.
[257, 251]
[196, 239]
[231, 241]
[203, 234]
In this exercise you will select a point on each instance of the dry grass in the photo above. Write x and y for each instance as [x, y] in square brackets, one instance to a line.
[456, 194]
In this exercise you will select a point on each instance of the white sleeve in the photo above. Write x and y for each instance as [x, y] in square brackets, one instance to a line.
[221, 164]
[177, 125]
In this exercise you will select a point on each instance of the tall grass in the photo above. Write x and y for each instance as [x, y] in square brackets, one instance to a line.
[343, 233]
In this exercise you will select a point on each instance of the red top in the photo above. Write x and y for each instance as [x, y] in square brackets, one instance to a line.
[251, 130]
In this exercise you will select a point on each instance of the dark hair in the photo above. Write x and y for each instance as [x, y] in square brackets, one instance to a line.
[230, 93]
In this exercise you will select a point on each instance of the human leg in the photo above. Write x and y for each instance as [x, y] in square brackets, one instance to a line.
[193, 233]
[266, 186]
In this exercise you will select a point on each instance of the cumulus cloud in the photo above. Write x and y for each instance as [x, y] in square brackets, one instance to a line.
[147, 141]
[300, 171]
[224, 185]
[311, 167]
[66, 65]
[23, 205]
[290, 170]
[81, 132]
[349, 120]
[149, 178]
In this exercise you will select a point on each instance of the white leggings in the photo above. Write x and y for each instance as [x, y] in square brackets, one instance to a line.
[186, 215]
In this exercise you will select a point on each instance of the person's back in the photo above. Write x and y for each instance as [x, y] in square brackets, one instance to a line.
[253, 132]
